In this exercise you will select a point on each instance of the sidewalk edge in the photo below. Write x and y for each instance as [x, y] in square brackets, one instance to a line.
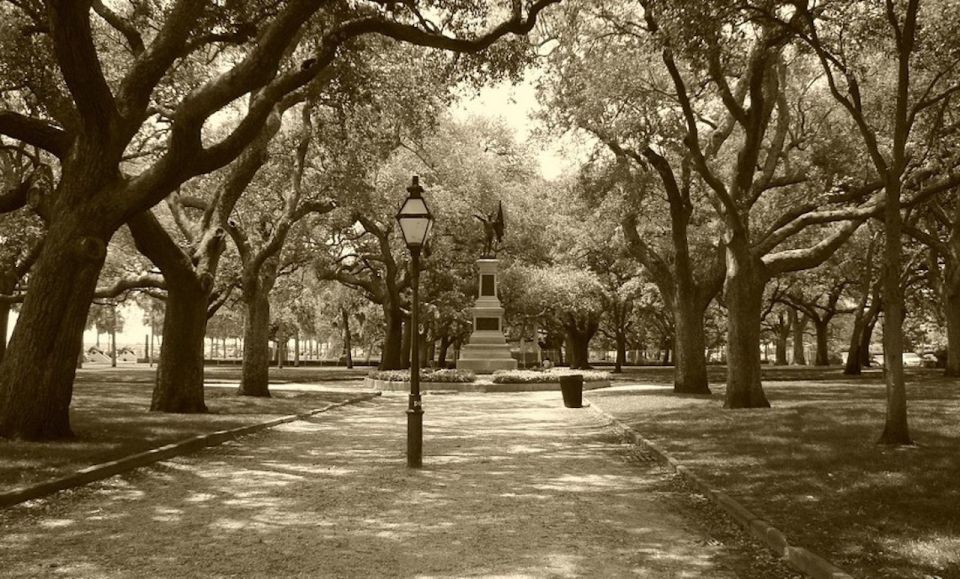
[799, 558]
[107, 469]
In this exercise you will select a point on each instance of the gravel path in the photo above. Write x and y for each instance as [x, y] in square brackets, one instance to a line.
[514, 485]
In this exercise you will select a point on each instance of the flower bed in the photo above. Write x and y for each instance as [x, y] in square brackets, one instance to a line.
[448, 376]
[545, 377]
[467, 381]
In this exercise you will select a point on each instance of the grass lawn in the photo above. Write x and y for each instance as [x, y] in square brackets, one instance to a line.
[111, 419]
[810, 465]
[128, 372]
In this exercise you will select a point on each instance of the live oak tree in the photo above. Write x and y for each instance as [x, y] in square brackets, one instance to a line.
[779, 326]
[937, 226]
[866, 292]
[20, 242]
[188, 251]
[24, 179]
[203, 217]
[820, 294]
[261, 229]
[362, 257]
[621, 286]
[107, 74]
[565, 299]
[776, 321]
[339, 306]
[798, 330]
[869, 52]
[743, 120]
[604, 83]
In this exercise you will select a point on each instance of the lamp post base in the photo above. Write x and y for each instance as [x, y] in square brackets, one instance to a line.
[415, 432]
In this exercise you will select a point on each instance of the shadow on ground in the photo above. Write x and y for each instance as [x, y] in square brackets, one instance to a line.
[811, 467]
[512, 485]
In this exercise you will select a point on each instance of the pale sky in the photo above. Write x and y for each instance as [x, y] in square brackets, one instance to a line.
[132, 335]
[516, 104]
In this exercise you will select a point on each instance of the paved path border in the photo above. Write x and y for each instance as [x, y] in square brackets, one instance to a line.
[107, 469]
[797, 557]
[478, 386]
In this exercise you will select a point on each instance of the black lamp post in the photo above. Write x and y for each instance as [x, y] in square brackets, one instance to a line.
[415, 222]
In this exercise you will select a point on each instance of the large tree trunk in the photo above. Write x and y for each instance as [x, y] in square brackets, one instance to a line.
[179, 381]
[577, 350]
[579, 334]
[391, 355]
[113, 339]
[952, 315]
[296, 350]
[822, 328]
[429, 351]
[798, 325]
[4, 321]
[895, 430]
[690, 360]
[743, 291]
[621, 353]
[865, 340]
[852, 366]
[442, 353]
[782, 334]
[255, 373]
[37, 372]
[347, 342]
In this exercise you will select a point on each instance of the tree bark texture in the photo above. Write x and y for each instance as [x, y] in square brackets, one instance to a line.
[391, 355]
[852, 366]
[113, 340]
[782, 334]
[865, 340]
[37, 371]
[798, 325]
[621, 352]
[347, 343]
[179, 379]
[579, 333]
[743, 291]
[442, 352]
[4, 321]
[255, 372]
[952, 316]
[895, 430]
[690, 360]
[822, 328]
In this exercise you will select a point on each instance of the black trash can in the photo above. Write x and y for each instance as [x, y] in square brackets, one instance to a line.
[572, 388]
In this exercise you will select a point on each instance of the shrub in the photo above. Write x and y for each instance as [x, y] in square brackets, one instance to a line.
[448, 376]
[390, 375]
[552, 375]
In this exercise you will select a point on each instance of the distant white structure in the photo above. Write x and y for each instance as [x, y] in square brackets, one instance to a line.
[488, 350]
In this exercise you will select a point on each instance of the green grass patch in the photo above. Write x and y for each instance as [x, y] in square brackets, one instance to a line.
[811, 465]
[112, 420]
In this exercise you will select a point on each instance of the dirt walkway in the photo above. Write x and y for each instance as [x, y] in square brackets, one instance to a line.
[513, 485]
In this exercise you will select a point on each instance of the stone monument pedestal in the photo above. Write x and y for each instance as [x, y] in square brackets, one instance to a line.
[488, 350]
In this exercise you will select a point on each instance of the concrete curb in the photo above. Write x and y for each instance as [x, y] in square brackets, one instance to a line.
[387, 386]
[799, 558]
[107, 469]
